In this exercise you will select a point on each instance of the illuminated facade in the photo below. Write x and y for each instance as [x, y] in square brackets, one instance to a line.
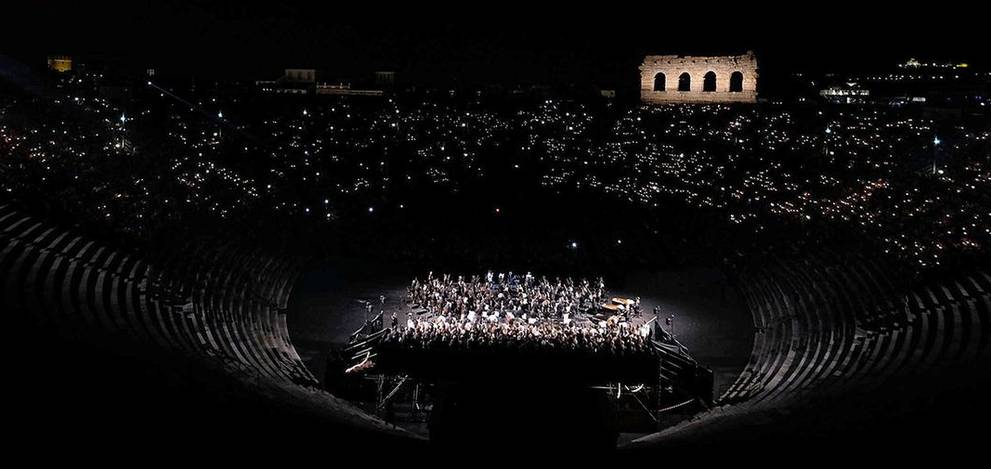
[669, 79]
[60, 63]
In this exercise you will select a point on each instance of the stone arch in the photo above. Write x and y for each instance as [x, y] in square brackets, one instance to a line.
[736, 82]
[709, 81]
[711, 76]
[660, 82]
[684, 82]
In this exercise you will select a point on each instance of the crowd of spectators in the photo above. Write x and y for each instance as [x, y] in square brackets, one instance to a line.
[914, 186]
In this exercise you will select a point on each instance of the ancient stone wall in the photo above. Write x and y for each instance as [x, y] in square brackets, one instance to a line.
[734, 80]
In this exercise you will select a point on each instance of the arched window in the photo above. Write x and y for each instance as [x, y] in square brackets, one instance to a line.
[659, 82]
[709, 82]
[685, 82]
[736, 82]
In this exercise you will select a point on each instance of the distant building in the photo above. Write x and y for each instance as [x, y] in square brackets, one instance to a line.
[385, 79]
[300, 75]
[344, 89]
[947, 84]
[303, 81]
[295, 81]
[60, 63]
[668, 79]
[914, 64]
[848, 94]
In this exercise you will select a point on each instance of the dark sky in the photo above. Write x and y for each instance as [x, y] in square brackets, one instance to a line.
[479, 42]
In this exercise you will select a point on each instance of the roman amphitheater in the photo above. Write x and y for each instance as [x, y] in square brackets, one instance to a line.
[672, 79]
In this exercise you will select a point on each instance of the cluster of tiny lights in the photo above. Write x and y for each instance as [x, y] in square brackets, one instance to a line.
[881, 171]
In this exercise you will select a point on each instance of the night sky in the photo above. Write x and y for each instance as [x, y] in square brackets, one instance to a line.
[481, 43]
